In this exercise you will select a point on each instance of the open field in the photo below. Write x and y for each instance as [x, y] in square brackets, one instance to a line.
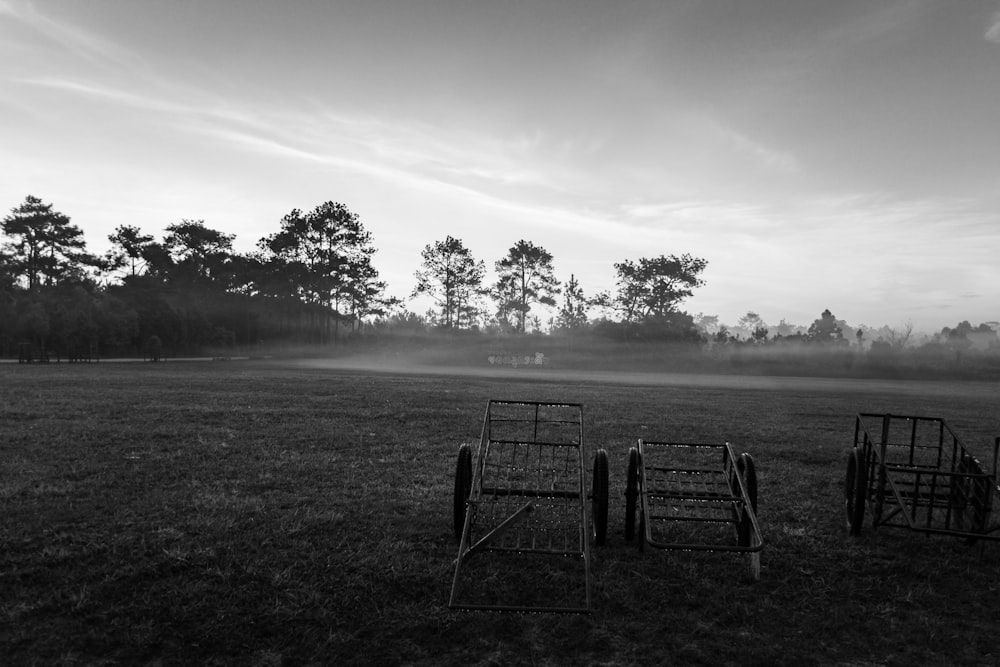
[279, 513]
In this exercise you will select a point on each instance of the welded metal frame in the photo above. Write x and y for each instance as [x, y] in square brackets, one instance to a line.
[696, 483]
[528, 497]
[915, 473]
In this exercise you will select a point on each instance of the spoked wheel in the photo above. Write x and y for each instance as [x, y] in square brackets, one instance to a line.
[855, 491]
[631, 492]
[747, 470]
[599, 497]
[463, 487]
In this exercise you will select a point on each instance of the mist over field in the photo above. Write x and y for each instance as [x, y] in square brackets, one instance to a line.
[544, 355]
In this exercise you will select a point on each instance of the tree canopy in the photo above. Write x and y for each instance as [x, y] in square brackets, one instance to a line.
[453, 278]
[653, 288]
[45, 248]
[525, 278]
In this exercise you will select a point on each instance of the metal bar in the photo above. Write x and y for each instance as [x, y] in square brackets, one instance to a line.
[543, 443]
[704, 496]
[916, 494]
[695, 519]
[880, 488]
[514, 608]
[499, 530]
[530, 493]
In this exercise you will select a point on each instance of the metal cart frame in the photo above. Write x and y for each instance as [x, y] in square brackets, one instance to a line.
[523, 507]
[694, 497]
[914, 472]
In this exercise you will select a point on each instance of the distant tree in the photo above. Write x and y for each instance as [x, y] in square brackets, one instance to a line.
[45, 248]
[366, 293]
[898, 338]
[324, 258]
[398, 318]
[525, 278]
[751, 321]
[653, 287]
[8, 273]
[826, 329]
[126, 254]
[453, 278]
[504, 295]
[964, 336]
[783, 329]
[572, 313]
[707, 324]
[198, 252]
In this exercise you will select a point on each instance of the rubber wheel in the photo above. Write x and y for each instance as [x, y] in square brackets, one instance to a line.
[748, 471]
[855, 491]
[959, 493]
[631, 492]
[977, 495]
[744, 530]
[463, 487]
[599, 497]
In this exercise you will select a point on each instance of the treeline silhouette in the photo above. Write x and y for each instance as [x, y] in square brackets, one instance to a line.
[312, 283]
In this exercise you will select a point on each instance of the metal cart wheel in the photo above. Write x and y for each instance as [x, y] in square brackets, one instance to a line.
[975, 495]
[744, 532]
[743, 529]
[631, 492]
[599, 494]
[748, 472]
[855, 491]
[463, 486]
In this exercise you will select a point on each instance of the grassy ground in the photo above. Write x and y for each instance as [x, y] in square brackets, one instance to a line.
[250, 513]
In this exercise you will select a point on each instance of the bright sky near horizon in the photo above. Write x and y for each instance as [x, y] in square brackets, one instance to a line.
[841, 155]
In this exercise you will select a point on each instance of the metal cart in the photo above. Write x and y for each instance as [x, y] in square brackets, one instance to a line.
[693, 497]
[520, 512]
[915, 473]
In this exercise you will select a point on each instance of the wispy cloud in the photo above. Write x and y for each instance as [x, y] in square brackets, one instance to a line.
[103, 92]
[63, 35]
[993, 32]
[731, 139]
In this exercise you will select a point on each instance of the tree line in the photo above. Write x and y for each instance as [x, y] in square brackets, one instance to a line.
[313, 282]
[310, 282]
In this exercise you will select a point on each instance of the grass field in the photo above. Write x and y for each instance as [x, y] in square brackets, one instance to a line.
[275, 513]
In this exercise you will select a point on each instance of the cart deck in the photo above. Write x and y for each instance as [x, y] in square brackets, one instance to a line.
[694, 497]
[914, 472]
[521, 512]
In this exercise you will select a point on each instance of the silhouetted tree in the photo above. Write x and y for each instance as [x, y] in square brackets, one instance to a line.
[573, 311]
[199, 253]
[324, 256]
[453, 278]
[826, 329]
[45, 248]
[654, 287]
[525, 278]
[128, 244]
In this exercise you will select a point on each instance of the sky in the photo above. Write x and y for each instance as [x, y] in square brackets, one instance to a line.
[819, 155]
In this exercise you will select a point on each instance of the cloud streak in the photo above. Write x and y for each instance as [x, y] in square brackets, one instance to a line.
[993, 32]
[80, 42]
